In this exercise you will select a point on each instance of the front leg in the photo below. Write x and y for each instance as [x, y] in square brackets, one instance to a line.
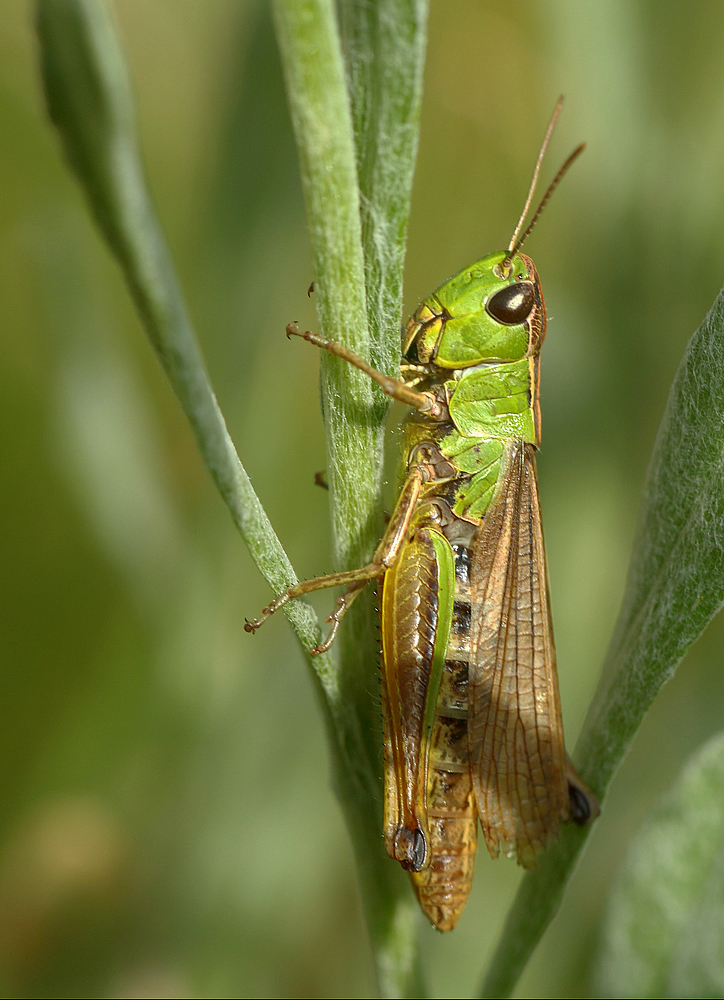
[425, 402]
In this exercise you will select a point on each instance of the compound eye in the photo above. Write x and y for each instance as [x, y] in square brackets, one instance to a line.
[512, 305]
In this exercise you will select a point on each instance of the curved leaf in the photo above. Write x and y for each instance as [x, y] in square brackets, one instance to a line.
[90, 101]
[664, 927]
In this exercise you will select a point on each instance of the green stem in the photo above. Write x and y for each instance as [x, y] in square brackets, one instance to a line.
[354, 412]
[385, 54]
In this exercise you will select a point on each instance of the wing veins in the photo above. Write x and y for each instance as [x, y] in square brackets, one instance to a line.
[516, 743]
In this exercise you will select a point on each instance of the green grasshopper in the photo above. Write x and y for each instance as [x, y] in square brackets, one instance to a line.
[471, 711]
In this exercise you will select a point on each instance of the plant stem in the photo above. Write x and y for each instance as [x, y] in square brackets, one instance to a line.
[354, 409]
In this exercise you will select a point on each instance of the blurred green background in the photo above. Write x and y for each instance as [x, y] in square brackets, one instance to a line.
[167, 827]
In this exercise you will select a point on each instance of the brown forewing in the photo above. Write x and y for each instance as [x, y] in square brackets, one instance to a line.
[515, 733]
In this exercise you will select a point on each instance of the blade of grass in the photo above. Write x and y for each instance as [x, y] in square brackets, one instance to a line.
[663, 928]
[89, 99]
[384, 47]
[354, 412]
[675, 586]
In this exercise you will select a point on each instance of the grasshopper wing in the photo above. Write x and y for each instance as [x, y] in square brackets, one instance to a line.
[517, 752]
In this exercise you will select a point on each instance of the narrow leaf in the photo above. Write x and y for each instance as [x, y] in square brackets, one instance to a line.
[354, 409]
[89, 98]
[385, 50]
[664, 925]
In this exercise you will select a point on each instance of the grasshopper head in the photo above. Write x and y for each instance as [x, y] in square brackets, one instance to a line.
[494, 310]
[488, 312]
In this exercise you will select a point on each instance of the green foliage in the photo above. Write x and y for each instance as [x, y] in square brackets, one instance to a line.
[676, 578]
[664, 925]
[89, 100]
[357, 176]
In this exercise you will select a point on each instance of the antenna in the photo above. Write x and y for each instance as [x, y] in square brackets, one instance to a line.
[515, 242]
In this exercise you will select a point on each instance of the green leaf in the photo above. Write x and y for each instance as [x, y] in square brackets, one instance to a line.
[663, 934]
[384, 47]
[675, 586]
[357, 208]
[89, 98]
[676, 579]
